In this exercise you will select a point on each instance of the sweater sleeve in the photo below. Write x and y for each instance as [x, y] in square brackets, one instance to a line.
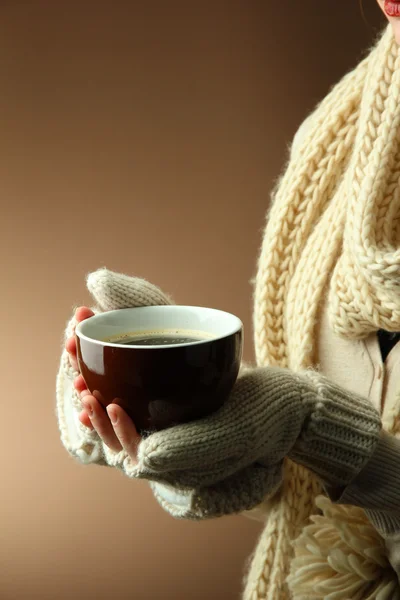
[357, 462]
[372, 484]
[376, 489]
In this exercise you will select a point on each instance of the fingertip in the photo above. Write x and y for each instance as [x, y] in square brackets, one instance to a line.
[85, 419]
[70, 345]
[124, 427]
[92, 402]
[82, 313]
[79, 383]
[101, 423]
[112, 413]
[116, 412]
[122, 421]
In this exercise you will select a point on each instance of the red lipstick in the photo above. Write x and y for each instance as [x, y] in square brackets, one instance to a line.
[392, 8]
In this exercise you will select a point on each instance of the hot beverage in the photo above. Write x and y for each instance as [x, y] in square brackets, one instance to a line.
[161, 338]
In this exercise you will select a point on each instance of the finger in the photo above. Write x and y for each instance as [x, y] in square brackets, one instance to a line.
[85, 420]
[101, 422]
[124, 429]
[73, 362]
[70, 346]
[79, 384]
[82, 313]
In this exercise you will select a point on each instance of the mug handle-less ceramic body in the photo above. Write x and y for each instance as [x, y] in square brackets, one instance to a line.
[160, 386]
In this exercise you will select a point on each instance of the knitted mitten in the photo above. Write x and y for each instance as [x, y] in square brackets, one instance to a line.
[229, 461]
[110, 291]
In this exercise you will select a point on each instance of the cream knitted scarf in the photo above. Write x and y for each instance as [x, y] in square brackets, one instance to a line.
[334, 224]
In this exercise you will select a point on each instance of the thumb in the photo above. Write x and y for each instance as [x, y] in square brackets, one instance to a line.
[113, 291]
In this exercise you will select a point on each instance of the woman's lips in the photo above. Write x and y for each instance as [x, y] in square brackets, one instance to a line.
[392, 8]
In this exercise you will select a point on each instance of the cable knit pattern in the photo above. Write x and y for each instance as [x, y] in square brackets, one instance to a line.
[334, 220]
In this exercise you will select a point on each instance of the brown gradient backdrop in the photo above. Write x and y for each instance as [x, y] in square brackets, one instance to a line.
[144, 136]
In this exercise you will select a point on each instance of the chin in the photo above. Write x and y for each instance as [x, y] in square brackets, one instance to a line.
[394, 21]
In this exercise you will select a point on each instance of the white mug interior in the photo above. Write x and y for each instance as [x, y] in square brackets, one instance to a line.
[207, 323]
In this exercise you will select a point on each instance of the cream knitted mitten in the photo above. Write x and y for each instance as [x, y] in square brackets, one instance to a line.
[229, 461]
[112, 291]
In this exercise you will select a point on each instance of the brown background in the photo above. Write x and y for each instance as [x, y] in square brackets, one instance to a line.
[143, 136]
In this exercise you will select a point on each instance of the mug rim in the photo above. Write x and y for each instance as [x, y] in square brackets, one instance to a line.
[174, 307]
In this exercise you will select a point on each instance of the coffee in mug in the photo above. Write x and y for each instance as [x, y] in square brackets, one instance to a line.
[161, 337]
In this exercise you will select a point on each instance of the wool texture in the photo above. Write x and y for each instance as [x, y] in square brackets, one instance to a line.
[334, 225]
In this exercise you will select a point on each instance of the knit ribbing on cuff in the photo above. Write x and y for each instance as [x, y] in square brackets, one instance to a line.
[377, 487]
[340, 433]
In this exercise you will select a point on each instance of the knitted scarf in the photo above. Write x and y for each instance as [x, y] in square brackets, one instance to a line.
[334, 224]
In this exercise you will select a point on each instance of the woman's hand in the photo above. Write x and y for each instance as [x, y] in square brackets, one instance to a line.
[114, 427]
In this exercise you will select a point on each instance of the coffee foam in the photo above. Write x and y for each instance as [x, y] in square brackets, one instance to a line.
[202, 335]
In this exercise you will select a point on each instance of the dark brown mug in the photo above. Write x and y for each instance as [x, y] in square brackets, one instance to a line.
[164, 365]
